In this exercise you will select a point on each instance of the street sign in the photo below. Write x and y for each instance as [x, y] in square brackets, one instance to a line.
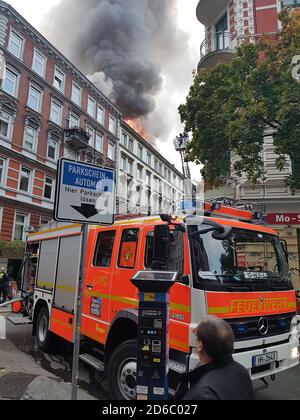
[85, 193]
[282, 218]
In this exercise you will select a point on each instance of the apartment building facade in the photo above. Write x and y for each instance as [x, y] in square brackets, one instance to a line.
[148, 182]
[48, 110]
[228, 23]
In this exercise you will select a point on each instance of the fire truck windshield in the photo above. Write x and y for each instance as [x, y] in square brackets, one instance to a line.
[247, 260]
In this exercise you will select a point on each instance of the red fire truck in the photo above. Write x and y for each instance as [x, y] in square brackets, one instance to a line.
[228, 266]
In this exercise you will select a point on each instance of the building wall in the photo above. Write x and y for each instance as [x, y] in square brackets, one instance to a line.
[15, 107]
[165, 188]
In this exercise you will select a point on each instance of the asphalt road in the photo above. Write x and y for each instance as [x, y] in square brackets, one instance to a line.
[59, 364]
[285, 387]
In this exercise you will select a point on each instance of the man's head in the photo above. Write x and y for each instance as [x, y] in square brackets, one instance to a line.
[215, 340]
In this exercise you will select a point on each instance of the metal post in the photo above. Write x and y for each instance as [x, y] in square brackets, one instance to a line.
[75, 369]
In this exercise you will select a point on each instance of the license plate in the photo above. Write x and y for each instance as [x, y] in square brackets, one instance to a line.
[265, 359]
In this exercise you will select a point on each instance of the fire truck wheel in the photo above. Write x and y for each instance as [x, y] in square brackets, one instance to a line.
[122, 371]
[43, 336]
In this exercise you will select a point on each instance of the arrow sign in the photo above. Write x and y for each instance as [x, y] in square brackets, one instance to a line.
[85, 193]
[86, 210]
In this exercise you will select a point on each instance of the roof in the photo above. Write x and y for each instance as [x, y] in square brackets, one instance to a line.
[151, 148]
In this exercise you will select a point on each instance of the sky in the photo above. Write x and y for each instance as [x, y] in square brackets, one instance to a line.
[35, 11]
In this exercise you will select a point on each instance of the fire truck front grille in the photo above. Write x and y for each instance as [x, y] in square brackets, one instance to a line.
[260, 327]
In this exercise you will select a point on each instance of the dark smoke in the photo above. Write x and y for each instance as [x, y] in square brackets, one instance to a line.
[123, 45]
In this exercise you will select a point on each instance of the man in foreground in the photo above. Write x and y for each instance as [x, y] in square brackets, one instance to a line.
[218, 376]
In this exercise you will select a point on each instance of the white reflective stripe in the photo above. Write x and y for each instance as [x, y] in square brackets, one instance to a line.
[95, 319]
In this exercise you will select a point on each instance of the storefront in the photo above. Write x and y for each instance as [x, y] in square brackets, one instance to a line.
[288, 227]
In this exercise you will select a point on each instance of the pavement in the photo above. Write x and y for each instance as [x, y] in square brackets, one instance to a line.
[18, 370]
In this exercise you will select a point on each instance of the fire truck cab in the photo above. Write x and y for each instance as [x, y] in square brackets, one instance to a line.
[228, 268]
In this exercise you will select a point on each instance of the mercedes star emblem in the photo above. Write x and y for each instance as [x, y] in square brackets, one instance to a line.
[263, 326]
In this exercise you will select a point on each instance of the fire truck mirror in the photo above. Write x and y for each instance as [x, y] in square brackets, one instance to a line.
[285, 250]
[161, 248]
[222, 235]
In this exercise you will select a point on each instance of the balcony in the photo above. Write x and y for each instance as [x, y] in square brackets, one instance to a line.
[216, 48]
[209, 10]
[77, 138]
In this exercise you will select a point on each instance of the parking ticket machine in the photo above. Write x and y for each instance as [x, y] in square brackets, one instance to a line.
[153, 333]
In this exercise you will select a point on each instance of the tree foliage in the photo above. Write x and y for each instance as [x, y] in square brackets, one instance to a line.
[12, 246]
[231, 107]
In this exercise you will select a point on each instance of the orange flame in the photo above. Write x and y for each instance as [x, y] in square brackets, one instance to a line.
[140, 128]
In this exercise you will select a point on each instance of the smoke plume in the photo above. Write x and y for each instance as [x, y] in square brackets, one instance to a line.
[131, 49]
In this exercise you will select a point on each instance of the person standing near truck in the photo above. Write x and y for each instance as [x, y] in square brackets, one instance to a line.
[218, 376]
[3, 285]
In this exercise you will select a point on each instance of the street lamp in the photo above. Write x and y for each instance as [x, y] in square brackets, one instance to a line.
[181, 144]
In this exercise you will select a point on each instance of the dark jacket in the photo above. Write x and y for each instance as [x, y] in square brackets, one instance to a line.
[227, 380]
[4, 278]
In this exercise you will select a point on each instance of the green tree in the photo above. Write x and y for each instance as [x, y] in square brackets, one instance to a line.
[230, 107]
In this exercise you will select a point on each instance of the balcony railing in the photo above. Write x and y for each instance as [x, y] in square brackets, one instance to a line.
[218, 41]
[225, 43]
[77, 138]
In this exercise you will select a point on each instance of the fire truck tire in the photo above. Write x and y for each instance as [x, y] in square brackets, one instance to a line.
[44, 337]
[121, 371]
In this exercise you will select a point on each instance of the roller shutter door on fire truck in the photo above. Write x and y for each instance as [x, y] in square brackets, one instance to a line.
[67, 273]
[47, 264]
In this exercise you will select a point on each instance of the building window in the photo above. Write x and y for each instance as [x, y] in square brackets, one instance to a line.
[99, 143]
[123, 163]
[156, 165]
[59, 80]
[160, 168]
[140, 172]
[38, 63]
[91, 107]
[124, 140]
[55, 113]
[15, 44]
[34, 98]
[10, 83]
[4, 125]
[140, 152]
[52, 149]
[148, 179]
[74, 120]
[21, 221]
[290, 3]
[130, 145]
[30, 135]
[2, 171]
[112, 125]
[111, 151]
[296, 168]
[25, 180]
[149, 160]
[49, 188]
[44, 221]
[76, 94]
[91, 133]
[130, 167]
[100, 115]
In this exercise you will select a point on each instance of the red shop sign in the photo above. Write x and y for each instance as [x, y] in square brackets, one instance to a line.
[282, 218]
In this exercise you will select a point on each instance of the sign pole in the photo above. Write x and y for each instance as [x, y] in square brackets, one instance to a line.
[75, 368]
